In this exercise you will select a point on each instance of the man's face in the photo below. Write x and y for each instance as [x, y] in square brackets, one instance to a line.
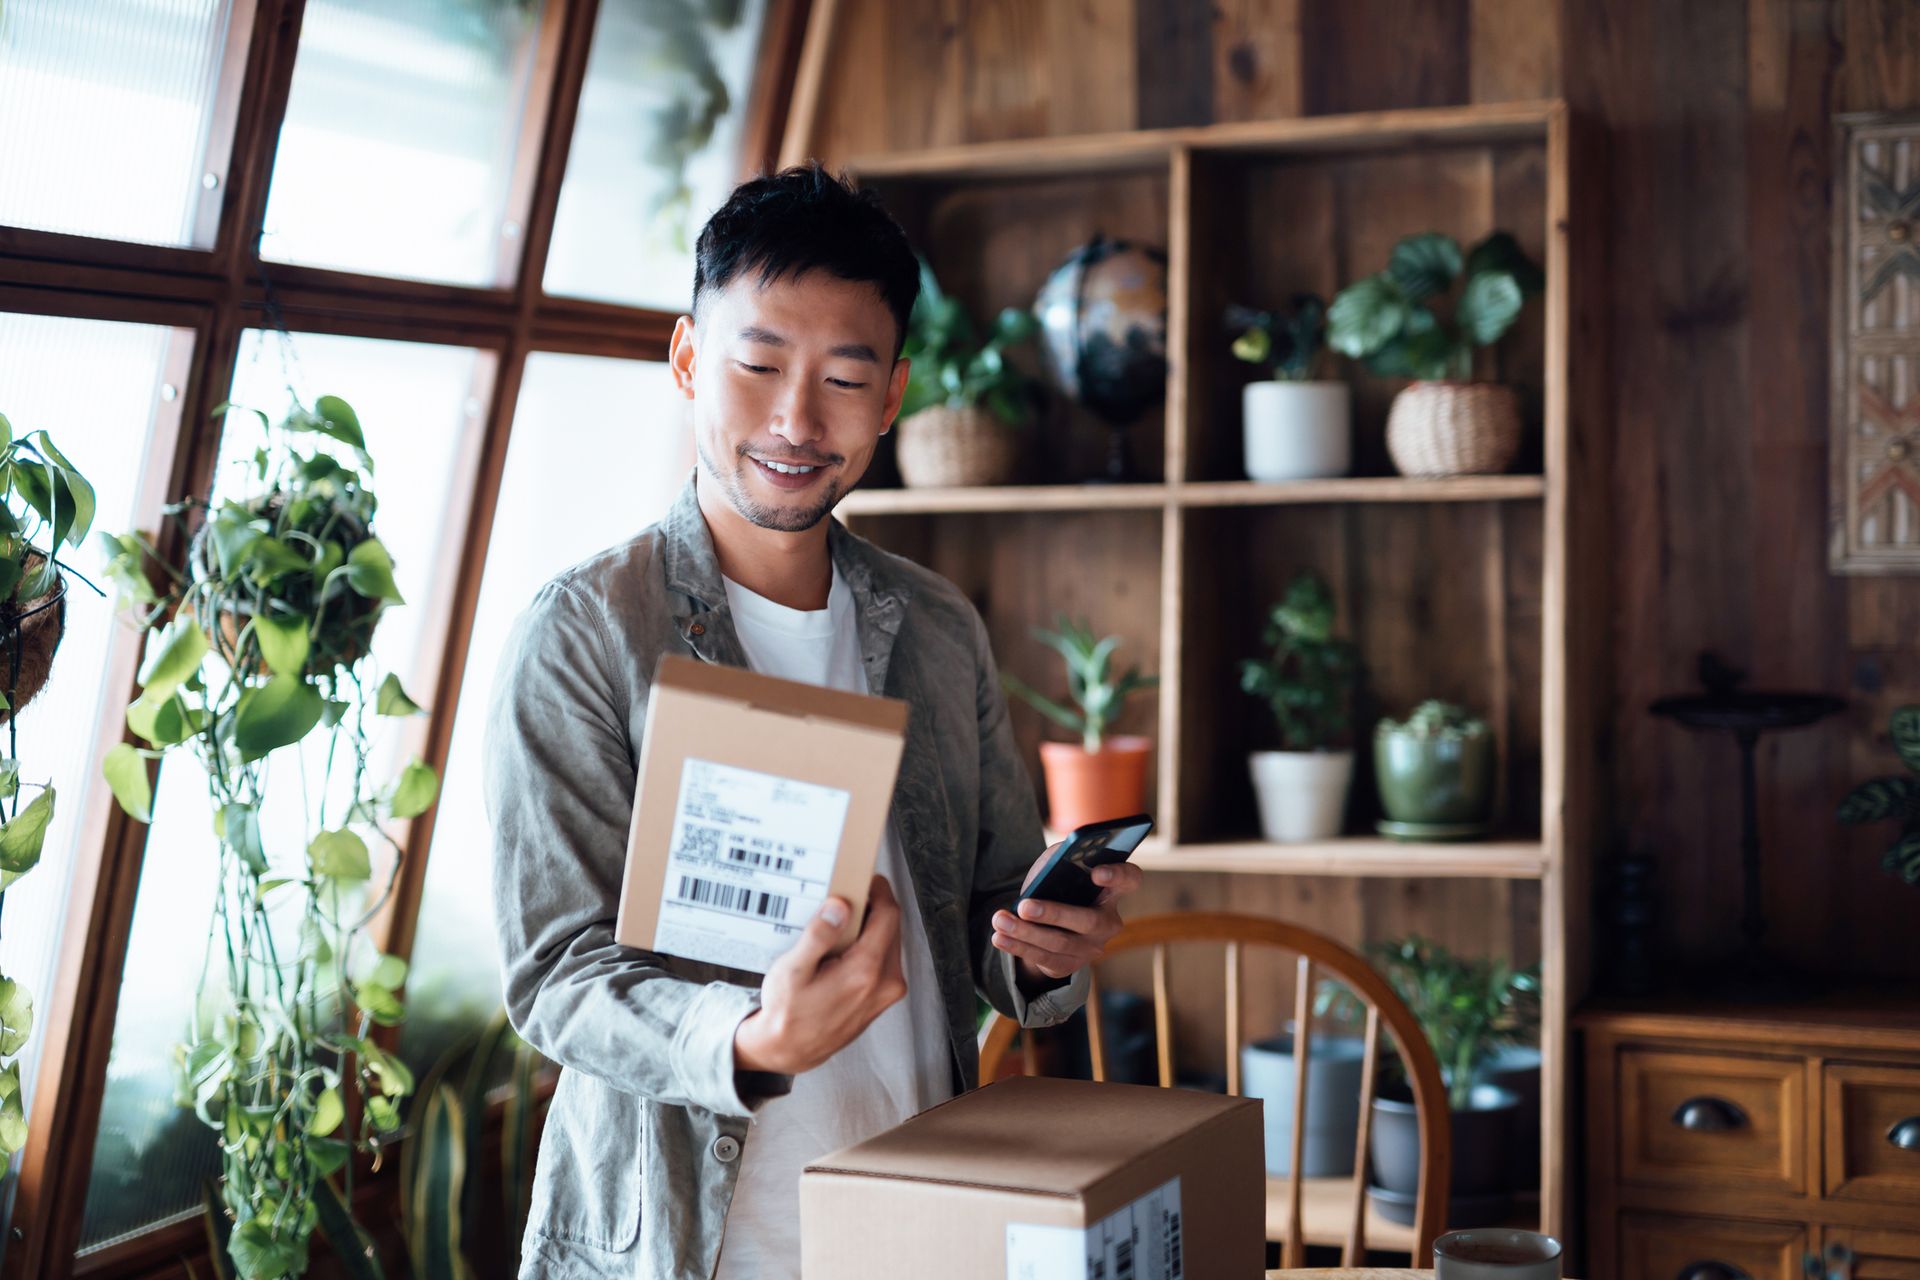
[793, 384]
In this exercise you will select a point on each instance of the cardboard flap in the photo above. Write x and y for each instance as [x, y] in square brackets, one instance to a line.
[1034, 1135]
[783, 697]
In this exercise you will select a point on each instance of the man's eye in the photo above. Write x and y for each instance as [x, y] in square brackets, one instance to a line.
[754, 368]
[842, 382]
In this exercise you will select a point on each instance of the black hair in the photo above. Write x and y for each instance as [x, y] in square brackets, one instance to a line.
[802, 219]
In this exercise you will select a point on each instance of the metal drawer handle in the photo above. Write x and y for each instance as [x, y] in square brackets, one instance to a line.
[1905, 1134]
[1712, 1271]
[1710, 1115]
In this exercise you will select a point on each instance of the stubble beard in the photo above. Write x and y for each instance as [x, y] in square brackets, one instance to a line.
[780, 519]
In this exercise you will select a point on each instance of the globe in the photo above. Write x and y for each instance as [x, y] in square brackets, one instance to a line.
[1103, 326]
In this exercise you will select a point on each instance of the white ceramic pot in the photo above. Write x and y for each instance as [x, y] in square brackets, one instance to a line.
[1297, 430]
[1302, 794]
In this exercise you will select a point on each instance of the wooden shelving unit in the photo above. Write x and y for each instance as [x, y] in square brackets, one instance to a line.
[1471, 588]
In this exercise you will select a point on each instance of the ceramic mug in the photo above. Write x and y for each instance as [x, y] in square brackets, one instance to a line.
[1496, 1253]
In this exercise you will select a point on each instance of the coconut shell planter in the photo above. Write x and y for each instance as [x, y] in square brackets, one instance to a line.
[30, 632]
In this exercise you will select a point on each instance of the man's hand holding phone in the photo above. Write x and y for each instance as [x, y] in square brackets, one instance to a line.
[812, 1005]
[1050, 941]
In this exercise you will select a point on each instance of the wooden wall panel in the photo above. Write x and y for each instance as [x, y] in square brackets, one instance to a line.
[1716, 117]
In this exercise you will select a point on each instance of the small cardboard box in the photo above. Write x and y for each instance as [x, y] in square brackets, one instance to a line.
[1039, 1179]
[757, 798]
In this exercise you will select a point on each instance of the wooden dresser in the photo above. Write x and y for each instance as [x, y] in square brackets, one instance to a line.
[1725, 1143]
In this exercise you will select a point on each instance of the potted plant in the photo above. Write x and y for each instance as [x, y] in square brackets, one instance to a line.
[1468, 1010]
[44, 503]
[1435, 772]
[1336, 1057]
[1307, 681]
[966, 406]
[1444, 423]
[1103, 775]
[1294, 426]
[258, 643]
[1894, 797]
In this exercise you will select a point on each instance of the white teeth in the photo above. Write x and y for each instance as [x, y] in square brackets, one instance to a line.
[785, 470]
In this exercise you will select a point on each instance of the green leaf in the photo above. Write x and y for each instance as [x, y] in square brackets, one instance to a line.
[177, 655]
[328, 1112]
[1488, 307]
[378, 1003]
[340, 854]
[274, 715]
[13, 1125]
[339, 421]
[271, 558]
[6, 432]
[414, 793]
[262, 1255]
[1424, 265]
[1879, 799]
[240, 829]
[1904, 728]
[126, 773]
[332, 710]
[166, 722]
[389, 972]
[327, 1154]
[234, 533]
[21, 838]
[1365, 316]
[352, 1247]
[392, 700]
[382, 1112]
[433, 1192]
[283, 642]
[370, 571]
[1501, 252]
[393, 1075]
[79, 493]
[1903, 857]
[1253, 346]
[16, 1016]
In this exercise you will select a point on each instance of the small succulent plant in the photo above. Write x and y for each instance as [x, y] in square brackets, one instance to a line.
[1436, 719]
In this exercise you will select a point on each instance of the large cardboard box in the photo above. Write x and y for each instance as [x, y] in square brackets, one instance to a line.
[1038, 1179]
[757, 799]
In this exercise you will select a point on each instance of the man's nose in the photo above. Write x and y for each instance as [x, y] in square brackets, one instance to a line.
[796, 416]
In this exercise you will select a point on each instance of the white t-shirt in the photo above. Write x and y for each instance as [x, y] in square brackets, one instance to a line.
[902, 1063]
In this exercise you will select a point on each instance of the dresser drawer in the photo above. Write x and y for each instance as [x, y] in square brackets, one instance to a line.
[1654, 1246]
[1873, 1133]
[1879, 1254]
[1737, 1121]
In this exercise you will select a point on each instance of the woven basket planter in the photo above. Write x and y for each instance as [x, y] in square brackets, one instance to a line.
[942, 447]
[41, 623]
[1454, 429]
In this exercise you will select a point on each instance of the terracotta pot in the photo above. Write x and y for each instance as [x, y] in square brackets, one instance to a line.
[1454, 429]
[37, 637]
[945, 447]
[1090, 786]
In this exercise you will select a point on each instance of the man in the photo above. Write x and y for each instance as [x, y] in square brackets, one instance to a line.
[691, 1096]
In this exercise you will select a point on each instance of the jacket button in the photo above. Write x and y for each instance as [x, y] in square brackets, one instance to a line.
[698, 629]
[726, 1148]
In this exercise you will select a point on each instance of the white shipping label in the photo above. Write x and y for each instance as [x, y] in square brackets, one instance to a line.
[750, 862]
[1140, 1242]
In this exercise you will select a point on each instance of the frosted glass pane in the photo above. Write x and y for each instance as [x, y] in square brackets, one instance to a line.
[400, 134]
[656, 147]
[107, 105]
[94, 386]
[577, 479]
[419, 406]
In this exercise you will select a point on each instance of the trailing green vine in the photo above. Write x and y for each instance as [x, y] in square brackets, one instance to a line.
[259, 651]
[45, 503]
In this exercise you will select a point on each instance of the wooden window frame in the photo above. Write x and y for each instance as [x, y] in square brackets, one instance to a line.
[216, 293]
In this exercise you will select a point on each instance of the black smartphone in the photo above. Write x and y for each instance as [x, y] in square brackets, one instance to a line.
[1068, 877]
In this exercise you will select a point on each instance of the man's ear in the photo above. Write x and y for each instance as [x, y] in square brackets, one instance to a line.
[680, 355]
[896, 391]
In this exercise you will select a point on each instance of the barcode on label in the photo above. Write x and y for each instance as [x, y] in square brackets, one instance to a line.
[732, 897]
[1173, 1249]
[1123, 1260]
[755, 859]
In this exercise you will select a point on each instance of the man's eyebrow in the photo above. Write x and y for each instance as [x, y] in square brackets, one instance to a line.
[845, 351]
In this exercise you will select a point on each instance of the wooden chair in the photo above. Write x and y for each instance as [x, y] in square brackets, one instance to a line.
[1318, 956]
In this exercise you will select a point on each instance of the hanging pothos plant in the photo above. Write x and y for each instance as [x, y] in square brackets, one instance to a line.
[260, 654]
[44, 502]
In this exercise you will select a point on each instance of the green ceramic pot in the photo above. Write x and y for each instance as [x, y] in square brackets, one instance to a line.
[1434, 778]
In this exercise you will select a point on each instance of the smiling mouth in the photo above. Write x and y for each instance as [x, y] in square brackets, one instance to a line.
[791, 468]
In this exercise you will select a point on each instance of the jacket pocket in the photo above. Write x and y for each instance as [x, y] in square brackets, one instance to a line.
[586, 1186]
